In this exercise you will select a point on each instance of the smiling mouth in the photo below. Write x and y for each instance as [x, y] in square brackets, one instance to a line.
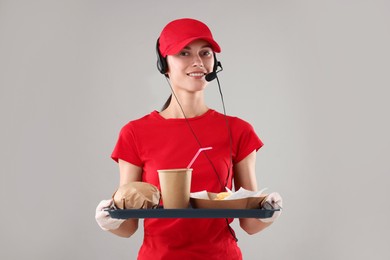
[197, 74]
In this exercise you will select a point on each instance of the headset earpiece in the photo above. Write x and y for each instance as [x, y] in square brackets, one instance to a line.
[162, 64]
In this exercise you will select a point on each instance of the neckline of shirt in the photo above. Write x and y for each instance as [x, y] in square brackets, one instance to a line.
[157, 115]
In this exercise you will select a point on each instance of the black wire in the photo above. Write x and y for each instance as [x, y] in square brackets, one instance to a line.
[231, 155]
[195, 136]
[229, 133]
[231, 230]
[200, 145]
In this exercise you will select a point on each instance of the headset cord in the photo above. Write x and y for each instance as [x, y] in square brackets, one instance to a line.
[229, 133]
[200, 145]
[231, 155]
[195, 136]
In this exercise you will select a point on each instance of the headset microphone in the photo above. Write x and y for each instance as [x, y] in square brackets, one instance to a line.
[212, 75]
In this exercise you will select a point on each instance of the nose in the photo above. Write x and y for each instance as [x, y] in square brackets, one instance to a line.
[197, 61]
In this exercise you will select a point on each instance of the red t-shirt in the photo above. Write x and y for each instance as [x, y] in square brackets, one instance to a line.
[153, 142]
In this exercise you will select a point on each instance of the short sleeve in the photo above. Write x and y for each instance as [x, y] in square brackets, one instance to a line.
[126, 146]
[247, 140]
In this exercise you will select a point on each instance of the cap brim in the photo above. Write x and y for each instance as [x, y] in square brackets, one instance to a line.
[179, 46]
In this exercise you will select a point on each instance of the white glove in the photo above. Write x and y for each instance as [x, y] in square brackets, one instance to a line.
[274, 199]
[103, 217]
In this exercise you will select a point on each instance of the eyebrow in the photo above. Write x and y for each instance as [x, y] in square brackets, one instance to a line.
[204, 46]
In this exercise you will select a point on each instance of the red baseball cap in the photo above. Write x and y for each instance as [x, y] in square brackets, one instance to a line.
[179, 33]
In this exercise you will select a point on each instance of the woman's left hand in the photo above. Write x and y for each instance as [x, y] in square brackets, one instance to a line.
[275, 200]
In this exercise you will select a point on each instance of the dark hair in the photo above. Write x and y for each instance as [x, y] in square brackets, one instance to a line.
[167, 103]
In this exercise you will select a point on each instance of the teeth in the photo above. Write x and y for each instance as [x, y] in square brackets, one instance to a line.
[195, 74]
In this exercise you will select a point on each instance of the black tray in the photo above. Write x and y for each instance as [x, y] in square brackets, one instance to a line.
[265, 212]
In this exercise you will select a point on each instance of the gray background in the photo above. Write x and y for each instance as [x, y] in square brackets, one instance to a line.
[311, 76]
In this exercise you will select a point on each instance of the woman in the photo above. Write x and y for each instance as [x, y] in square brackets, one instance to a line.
[169, 139]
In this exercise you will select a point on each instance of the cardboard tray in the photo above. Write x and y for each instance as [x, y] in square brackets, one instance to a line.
[211, 203]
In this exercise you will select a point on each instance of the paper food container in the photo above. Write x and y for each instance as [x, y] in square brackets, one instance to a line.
[211, 203]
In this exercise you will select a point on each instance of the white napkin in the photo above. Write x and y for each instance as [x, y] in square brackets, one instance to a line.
[243, 193]
[200, 195]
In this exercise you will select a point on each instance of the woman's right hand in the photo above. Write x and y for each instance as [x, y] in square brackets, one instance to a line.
[103, 217]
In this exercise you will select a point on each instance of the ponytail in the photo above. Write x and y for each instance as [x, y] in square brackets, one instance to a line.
[167, 103]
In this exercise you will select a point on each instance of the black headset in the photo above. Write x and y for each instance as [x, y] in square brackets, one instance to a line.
[162, 64]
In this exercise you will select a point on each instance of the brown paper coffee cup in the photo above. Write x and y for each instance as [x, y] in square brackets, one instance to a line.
[175, 187]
